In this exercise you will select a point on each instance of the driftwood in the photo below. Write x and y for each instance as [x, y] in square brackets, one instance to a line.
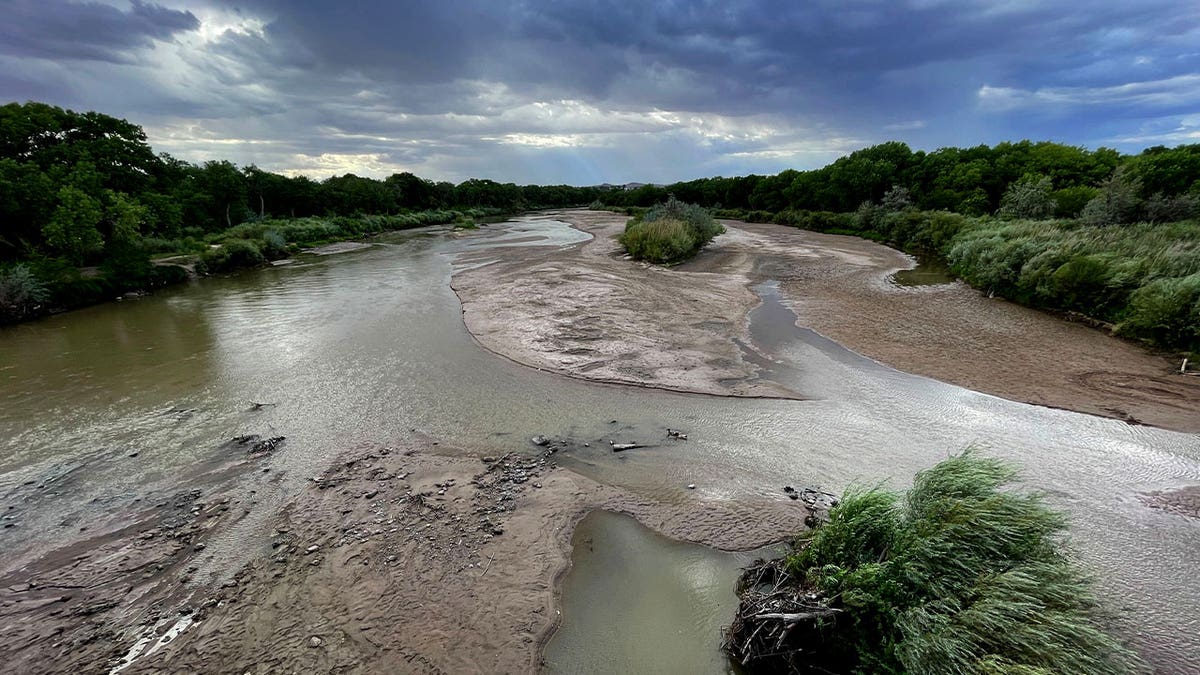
[782, 626]
[799, 616]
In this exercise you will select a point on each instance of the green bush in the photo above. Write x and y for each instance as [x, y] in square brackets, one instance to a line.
[21, 293]
[273, 245]
[1166, 311]
[963, 575]
[670, 232]
[233, 254]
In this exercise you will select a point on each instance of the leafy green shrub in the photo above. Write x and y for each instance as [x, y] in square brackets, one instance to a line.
[659, 241]
[166, 275]
[963, 575]
[1166, 311]
[1028, 197]
[1070, 201]
[21, 293]
[231, 255]
[273, 245]
[670, 232]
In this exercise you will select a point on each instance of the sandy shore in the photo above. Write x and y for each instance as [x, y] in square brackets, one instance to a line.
[587, 312]
[396, 559]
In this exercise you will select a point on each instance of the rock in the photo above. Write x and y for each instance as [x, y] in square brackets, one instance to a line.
[789, 489]
[691, 486]
[371, 494]
[315, 642]
[198, 547]
[311, 549]
[540, 441]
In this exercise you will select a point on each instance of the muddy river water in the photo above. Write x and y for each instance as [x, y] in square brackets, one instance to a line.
[105, 404]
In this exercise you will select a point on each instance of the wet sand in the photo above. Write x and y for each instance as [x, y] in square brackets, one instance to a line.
[397, 559]
[587, 312]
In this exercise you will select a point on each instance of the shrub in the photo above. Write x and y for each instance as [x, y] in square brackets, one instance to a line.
[670, 232]
[21, 293]
[963, 575]
[233, 254]
[1166, 311]
[1069, 201]
[1117, 202]
[274, 246]
[1028, 197]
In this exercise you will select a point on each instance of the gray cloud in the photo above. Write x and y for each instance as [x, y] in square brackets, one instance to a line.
[55, 29]
[575, 90]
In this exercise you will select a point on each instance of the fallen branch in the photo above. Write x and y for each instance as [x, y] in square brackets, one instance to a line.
[798, 616]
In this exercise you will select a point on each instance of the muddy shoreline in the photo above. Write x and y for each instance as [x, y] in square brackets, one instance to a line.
[413, 557]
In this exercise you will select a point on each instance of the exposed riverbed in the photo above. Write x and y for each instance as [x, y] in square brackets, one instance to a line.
[116, 403]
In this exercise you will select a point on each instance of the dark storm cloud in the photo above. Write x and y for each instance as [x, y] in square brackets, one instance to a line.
[571, 89]
[86, 30]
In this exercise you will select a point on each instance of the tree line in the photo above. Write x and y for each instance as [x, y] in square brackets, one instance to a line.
[74, 184]
[85, 203]
[1161, 183]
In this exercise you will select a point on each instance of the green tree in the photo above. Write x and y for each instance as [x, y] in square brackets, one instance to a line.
[1118, 201]
[1028, 198]
[72, 231]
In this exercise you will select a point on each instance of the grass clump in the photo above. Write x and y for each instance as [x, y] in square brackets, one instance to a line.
[962, 575]
[670, 232]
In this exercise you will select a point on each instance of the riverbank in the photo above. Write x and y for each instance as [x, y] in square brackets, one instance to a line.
[587, 312]
[53, 286]
[440, 535]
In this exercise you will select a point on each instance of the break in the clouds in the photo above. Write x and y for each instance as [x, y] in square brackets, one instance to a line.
[584, 91]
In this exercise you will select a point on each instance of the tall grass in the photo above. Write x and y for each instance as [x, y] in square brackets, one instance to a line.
[962, 575]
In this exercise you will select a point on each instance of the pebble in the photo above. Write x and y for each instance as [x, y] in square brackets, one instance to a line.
[314, 642]
[691, 486]
[312, 549]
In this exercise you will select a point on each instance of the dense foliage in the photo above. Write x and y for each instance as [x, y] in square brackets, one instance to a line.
[970, 181]
[85, 190]
[962, 575]
[669, 232]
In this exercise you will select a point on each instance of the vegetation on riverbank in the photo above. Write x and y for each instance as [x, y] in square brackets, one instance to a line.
[1142, 279]
[85, 203]
[670, 232]
[962, 574]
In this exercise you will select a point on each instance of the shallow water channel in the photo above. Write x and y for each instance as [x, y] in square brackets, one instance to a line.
[362, 346]
[658, 605]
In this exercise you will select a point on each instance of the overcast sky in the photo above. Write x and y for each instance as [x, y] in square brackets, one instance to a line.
[591, 91]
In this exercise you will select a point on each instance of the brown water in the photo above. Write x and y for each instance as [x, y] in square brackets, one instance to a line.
[625, 581]
[362, 346]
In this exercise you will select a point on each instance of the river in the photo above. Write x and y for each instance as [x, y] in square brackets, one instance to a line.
[363, 346]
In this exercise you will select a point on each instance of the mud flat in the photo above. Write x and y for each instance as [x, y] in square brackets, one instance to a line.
[396, 559]
[587, 312]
